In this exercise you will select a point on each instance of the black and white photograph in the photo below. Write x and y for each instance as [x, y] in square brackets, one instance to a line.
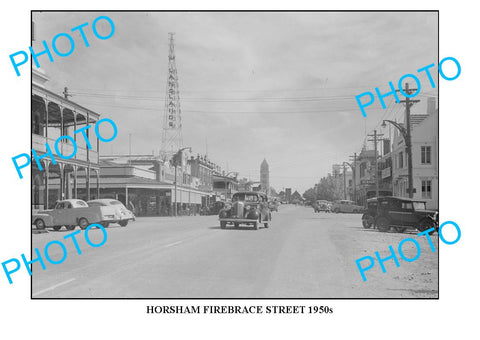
[235, 161]
[191, 170]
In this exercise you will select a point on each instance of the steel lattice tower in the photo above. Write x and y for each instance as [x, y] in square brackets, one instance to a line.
[172, 139]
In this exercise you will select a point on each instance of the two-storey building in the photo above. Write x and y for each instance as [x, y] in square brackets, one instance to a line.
[54, 116]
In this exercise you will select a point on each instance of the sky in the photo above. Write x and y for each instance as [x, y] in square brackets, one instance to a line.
[273, 85]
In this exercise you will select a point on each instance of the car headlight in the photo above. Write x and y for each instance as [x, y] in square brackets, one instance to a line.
[228, 206]
[223, 214]
[247, 207]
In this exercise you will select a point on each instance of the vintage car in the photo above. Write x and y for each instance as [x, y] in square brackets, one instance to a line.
[322, 205]
[273, 205]
[368, 218]
[73, 212]
[247, 207]
[122, 214]
[399, 213]
[346, 206]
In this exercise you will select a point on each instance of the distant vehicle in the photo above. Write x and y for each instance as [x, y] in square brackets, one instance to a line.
[273, 206]
[247, 207]
[399, 213]
[122, 214]
[73, 212]
[346, 206]
[322, 205]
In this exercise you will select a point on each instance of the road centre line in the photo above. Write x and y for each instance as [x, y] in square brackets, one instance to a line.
[52, 287]
[172, 244]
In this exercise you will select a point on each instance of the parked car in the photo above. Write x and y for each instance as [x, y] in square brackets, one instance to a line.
[73, 212]
[346, 206]
[368, 218]
[122, 214]
[247, 207]
[322, 205]
[399, 213]
[273, 205]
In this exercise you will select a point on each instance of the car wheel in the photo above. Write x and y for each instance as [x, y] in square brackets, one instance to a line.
[400, 229]
[425, 224]
[83, 223]
[337, 211]
[367, 221]
[255, 225]
[223, 225]
[383, 224]
[265, 225]
[104, 224]
[236, 225]
[70, 227]
[123, 223]
[57, 227]
[355, 211]
[39, 224]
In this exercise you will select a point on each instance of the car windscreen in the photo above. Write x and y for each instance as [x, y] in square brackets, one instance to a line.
[245, 197]
[81, 204]
[95, 204]
[419, 206]
[114, 202]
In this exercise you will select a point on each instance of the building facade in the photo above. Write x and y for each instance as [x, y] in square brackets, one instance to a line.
[224, 186]
[146, 184]
[424, 135]
[55, 178]
[202, 168]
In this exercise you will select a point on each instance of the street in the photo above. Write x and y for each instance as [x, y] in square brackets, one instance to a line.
[302, 255]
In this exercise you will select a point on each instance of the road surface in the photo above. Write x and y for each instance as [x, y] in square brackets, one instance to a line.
[302, 255]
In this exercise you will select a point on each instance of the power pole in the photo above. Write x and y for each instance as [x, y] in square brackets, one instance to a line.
[344, 183]
[65, 93]
[129, 148]
[354, 174]
[408, 143]
[375, 140]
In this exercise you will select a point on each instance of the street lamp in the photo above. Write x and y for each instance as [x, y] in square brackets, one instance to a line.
[408, 146]
[176, 160]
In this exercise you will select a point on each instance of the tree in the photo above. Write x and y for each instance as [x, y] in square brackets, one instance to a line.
[310, 195]
[325, 190]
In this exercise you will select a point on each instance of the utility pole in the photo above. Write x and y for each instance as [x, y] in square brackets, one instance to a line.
[354, 174]
[177, 161]
[344, 182]
[65, 93]
[375, 140]
[408, 142]
[129, 148]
